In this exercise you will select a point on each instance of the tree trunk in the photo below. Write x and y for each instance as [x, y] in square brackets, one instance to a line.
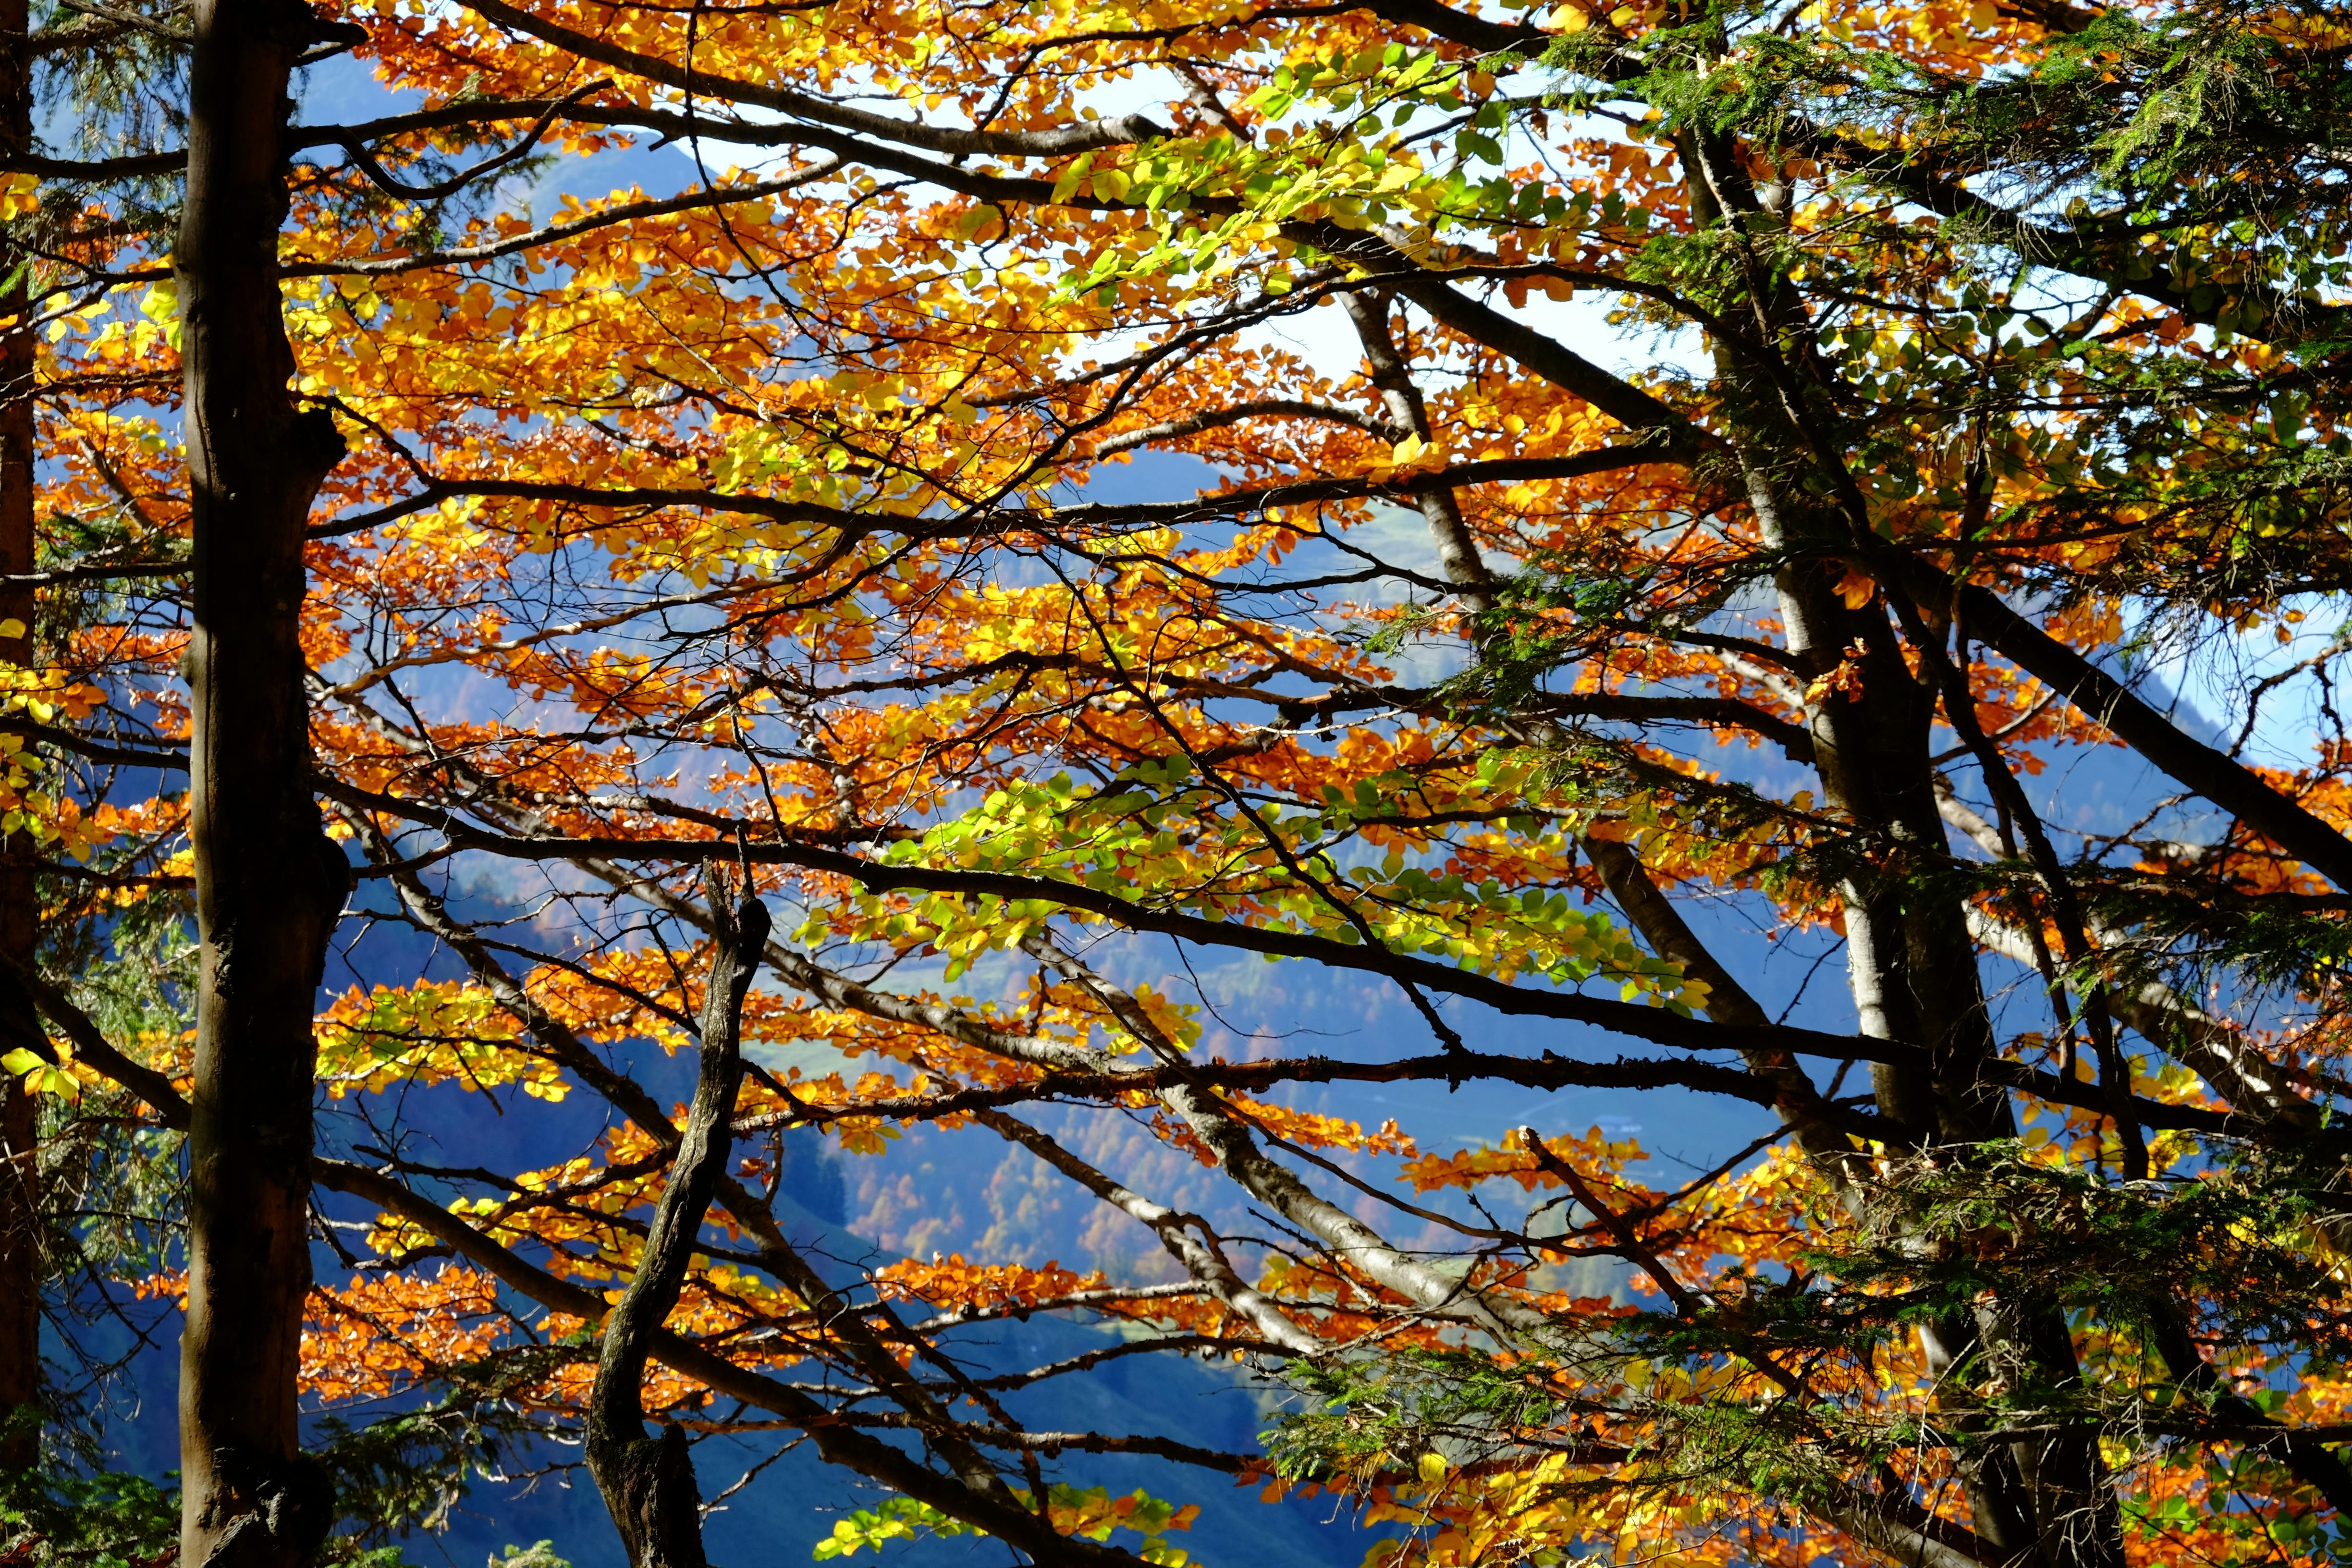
[269, 885]
[20, 1222]
[1910, 961]
[648, 1483]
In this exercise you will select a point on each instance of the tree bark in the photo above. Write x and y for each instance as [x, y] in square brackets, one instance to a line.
[20, 1199]
[269, 885]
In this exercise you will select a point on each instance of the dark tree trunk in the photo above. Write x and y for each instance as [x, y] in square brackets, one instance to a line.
[269, 884]
[20, 1207]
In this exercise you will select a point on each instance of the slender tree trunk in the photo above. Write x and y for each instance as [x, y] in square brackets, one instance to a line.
[1913, 969]
[20, 1225]
[269, 883]
[648, 1482]
[1910, 961]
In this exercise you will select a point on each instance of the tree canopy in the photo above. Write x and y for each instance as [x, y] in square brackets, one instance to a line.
[1568, 527]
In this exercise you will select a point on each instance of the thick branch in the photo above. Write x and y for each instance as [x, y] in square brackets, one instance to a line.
[2228, 784]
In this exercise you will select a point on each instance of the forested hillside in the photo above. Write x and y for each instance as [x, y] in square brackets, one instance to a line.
[1393, 781]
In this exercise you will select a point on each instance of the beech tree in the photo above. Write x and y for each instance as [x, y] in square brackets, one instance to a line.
[1991, 386]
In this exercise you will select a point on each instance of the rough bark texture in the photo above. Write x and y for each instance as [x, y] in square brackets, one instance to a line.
[269, 883]
[20, 1226]
[648, 1482]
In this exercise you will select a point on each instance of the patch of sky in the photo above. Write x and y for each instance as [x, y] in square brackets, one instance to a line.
[2254, 688]
[347, 91]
